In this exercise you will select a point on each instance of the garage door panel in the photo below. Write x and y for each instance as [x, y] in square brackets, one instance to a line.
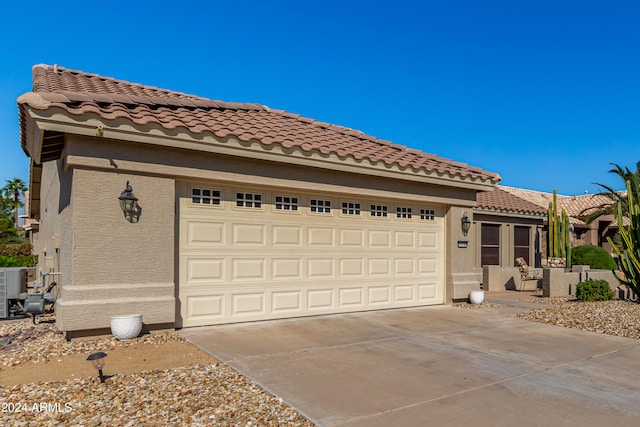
[286, 268]
[320, 267]
[287, 235]
[248, 269]
[245, 304]
[286, 301]
[204, 307]
[350, 297]
[404, 266]
[321, 236]
[404, 239]
[205, 233]
[352, 267]
[428, 240]
[380, 295]
[320, 299]
[238, 264]
[205, 270]
[404, 294]
[352, 238]
[380, 239]
[379, 267]
[427, 265]
[249, 234]
[427, 291]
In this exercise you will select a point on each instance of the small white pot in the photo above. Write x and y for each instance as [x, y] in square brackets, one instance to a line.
[476, 297]
[126, 327]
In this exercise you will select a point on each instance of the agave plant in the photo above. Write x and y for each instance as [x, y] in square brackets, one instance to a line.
[627, 246]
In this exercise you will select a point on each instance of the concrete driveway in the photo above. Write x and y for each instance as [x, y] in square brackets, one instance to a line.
[441, 366]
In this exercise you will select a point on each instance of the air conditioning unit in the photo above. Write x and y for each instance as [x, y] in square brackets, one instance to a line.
[13, 282]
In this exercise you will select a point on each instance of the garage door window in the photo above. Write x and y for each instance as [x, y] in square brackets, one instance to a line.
[427, 214]
[205, 196]
[379, 211]
[249, 200]
[320, 206]
[350, 208]
[286, 203]
[404, 213]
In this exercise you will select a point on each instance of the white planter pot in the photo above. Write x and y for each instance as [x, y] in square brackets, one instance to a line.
[126, 327]
[476, 297]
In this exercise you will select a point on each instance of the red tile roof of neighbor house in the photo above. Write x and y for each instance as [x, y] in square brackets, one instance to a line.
[503, 201]
[79, 93]
[522, 201]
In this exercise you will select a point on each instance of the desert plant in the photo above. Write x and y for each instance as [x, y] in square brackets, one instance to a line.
[593, 290]
[17, 255]
[628, 248]
[558, 232]
[615, 197]
[595, 256]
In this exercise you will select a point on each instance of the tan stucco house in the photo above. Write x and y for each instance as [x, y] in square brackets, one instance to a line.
[243, 212]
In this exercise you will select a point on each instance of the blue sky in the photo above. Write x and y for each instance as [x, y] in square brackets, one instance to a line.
[545, 93]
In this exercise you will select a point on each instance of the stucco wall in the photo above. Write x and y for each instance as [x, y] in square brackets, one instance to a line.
[55, 235]
[462, 274]
[118, 267]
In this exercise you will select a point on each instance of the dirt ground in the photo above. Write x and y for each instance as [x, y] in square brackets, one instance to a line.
[137, 358]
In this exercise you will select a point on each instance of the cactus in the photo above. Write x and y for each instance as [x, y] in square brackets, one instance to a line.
[629, 250]
[558, 233]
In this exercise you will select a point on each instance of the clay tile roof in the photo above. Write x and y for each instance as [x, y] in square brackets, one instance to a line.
[573, 205]
[503, 201]
[78, 92]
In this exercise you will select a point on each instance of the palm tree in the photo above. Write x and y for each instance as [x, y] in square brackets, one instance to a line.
[615, 197]
[13, 188]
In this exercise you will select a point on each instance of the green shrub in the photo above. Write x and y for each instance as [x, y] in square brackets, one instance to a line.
[17, 255]
[593, 290]
[595, 256]
[18, 261]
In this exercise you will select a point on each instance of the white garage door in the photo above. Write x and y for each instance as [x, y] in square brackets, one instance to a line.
[258, 253]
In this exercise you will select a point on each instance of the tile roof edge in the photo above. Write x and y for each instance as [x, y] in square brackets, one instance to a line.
[221, 104]
[506, 210]
[34, 100]
[40, 101]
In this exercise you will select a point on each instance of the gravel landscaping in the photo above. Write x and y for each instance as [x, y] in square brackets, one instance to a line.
[620, 318]
[203, 394]
[195, 395]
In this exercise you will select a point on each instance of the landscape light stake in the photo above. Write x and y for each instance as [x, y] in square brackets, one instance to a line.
[97, 361]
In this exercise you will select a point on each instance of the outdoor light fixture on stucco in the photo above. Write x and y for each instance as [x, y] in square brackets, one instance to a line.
[129, 204]
[466, 224]
[97, 361]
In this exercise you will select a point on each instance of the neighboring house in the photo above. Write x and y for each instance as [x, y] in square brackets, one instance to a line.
[243, 213]
[577, 207]
[508, 216]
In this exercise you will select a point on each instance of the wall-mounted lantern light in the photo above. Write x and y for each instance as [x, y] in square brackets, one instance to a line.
[465, 223]
[97, 361]
[129, 204]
